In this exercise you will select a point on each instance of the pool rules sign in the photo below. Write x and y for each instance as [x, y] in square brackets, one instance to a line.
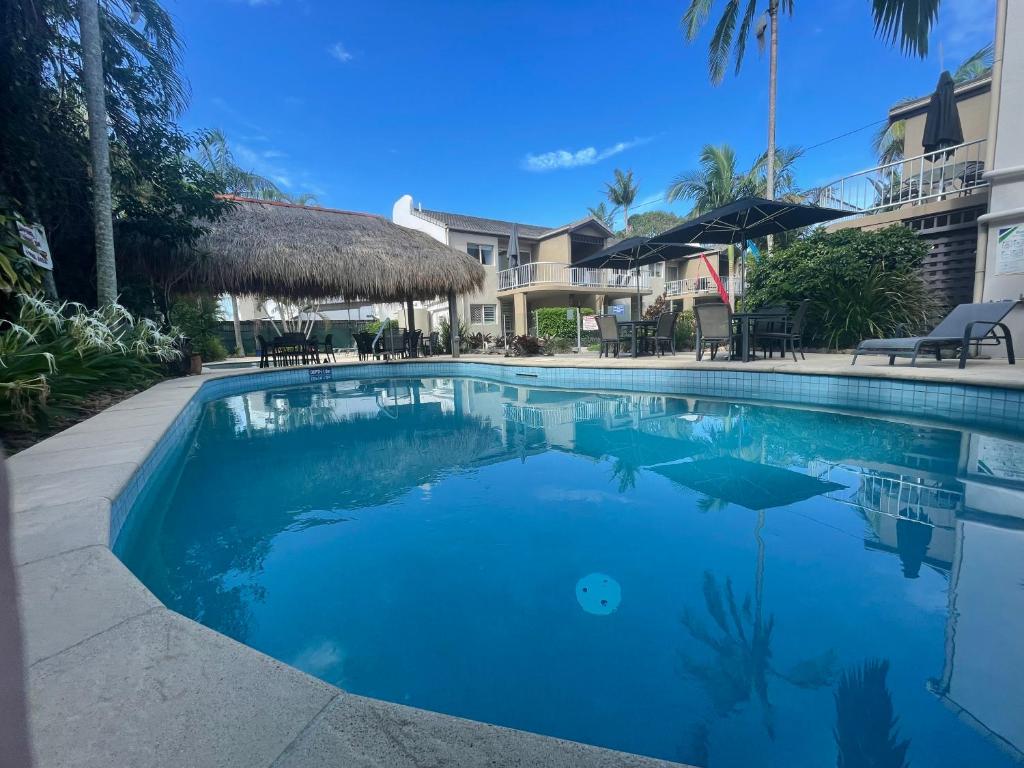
[1010, 250]
[34, 244]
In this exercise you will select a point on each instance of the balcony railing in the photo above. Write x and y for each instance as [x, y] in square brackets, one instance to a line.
[553, 273]
[947, 174]
[700, 286]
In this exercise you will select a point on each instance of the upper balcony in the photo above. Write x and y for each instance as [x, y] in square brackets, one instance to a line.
[951, 174]
[699, 286]
[547, 275]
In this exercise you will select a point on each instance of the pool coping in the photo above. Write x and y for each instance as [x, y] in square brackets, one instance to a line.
[117, 678]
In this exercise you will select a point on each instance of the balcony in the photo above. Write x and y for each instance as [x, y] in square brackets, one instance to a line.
[555, 276]
[700, 286]
[949, 174]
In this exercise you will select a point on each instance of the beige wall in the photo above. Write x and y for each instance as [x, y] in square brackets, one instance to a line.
[554, 249]
[489, 293]
[974, 110]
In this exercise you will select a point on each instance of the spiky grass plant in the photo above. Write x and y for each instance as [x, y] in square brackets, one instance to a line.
[53, 355]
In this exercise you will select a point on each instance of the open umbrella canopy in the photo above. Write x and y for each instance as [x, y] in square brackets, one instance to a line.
[303, 252]
[942, 127]
[746, 218]
[636, 252]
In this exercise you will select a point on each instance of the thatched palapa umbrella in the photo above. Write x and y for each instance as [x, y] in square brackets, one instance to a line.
[305, 252]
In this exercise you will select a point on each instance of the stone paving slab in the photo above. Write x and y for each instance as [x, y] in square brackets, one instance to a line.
[70, 597]
[96, 440]
[357, 732]
[55, 462]
[162, 691]
[52, 530]
[64, 487]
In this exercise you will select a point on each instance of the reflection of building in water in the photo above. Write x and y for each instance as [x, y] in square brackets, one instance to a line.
[983, 677]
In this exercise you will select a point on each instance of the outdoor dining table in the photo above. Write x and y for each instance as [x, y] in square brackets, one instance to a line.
[637, 329]
[745, 321]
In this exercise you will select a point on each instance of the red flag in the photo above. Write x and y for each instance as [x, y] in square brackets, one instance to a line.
[718, 281]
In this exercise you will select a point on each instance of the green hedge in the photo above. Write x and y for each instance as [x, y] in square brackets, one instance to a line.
[861, 284]
[552, 322]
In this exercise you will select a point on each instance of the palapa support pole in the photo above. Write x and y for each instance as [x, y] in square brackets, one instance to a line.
[410, 321]
[453, 324]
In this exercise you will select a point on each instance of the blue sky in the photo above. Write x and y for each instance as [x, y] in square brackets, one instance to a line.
[521, 110]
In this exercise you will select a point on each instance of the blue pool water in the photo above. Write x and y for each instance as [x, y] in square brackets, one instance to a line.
[717, 583]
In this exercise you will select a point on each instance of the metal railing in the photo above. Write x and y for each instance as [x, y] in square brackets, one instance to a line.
[700, 286]
[553, 273]
[946, 174]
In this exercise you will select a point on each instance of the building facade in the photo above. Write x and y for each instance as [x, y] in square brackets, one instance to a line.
[547, 274]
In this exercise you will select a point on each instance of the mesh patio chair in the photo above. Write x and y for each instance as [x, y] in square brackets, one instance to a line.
[264, 351]
[789, 333]
[608, 327]
[665, 333]
[329, 347]
[714, 327]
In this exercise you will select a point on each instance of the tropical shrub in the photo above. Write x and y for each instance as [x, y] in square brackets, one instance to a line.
[17, 273]
[445, 334]
[199, 318]
[524, 346]
[556, 345]
[686, 330]
[860, 284]
[552, 322]
[52, 355]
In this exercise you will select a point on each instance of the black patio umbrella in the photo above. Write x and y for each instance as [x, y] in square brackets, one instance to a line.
[635, 252]
[942, 127]
[746, 218]
[513, 247]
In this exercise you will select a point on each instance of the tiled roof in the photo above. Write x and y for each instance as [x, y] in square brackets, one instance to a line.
[484, 226]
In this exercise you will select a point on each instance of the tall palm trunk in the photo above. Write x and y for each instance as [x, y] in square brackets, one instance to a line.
[773, 69]
[95, 101]
[236, 320]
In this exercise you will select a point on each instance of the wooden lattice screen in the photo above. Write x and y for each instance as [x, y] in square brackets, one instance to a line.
[948, 269]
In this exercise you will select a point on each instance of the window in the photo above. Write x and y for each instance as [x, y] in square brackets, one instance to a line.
[524, 257]
[482, 253]
[482, 313]
[654, 270]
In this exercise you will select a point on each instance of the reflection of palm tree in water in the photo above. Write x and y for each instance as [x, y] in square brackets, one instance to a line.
[866, 730]
[741, 663]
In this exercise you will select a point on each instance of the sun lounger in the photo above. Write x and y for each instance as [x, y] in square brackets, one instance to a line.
[967, 324]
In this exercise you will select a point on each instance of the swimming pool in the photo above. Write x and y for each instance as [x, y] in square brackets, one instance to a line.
[688, 578]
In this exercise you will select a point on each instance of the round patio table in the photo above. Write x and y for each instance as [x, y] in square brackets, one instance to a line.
[746, 320]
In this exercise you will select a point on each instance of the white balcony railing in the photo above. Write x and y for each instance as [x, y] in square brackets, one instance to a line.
[700, 286]
[951, 173]
[553, 273]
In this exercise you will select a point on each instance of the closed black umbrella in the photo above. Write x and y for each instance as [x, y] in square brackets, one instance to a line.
[746, 218]
[942, 127]
[635, 252]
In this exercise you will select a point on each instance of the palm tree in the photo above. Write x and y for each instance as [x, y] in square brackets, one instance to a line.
[621, 193]
[715, 183]
[99, 150]
[604, 214]
[725, 41]
[214, 154]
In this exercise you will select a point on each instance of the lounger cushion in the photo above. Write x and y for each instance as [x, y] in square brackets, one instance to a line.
[908, 344]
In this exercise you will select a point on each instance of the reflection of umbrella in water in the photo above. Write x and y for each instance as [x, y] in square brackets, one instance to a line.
[741, 636]
[631, 449]
[746, 483]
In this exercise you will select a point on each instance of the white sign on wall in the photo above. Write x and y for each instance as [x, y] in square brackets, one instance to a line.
[589, 323]
[1010, 250]
[34, 245]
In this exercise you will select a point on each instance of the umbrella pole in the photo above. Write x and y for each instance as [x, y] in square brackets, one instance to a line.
[637, 313]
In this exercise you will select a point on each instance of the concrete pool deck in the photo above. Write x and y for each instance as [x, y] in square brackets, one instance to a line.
[115, 678]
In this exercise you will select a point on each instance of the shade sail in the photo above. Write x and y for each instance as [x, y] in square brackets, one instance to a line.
[748, 217]
[748, 484]
[942, 127]
[302, 252]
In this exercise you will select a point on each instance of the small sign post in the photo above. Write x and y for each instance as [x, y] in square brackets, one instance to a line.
[34, 244]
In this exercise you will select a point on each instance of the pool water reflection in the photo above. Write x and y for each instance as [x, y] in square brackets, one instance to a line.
[697, 580]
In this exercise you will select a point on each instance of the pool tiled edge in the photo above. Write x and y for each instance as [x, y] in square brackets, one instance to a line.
[102, 646]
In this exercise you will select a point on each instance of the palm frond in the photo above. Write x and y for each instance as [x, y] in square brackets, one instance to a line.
[907, 22]
[695, 17]
[721, 42]
[975, 66]
[741, 39]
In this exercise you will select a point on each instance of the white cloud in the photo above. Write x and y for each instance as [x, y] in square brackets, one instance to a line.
[965, 26]
[563, 158]
[340, 52]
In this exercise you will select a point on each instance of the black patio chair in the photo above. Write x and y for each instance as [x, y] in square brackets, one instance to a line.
[364, 345]
[788, 332]
[264, 351]
[329, 347]
[665, 333]
[714, 327]
[608, 327]
[765, 326]
[967, 324]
